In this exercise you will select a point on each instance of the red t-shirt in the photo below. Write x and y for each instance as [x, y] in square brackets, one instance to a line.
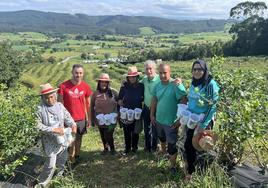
[74, 98]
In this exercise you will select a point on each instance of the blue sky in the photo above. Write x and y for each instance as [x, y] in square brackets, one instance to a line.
[174, 9]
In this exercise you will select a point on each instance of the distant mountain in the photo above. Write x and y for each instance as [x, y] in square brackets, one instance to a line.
[50, 22]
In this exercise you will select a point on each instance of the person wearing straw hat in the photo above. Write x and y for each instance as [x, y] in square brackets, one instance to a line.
[166, 95]
[75, 95]
[131, 96]
[51, 118]
[202, 99]
[104, 101]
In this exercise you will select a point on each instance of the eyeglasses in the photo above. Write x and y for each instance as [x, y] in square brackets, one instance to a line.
[198, 69]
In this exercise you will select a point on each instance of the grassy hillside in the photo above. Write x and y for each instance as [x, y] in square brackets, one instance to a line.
[49, 22]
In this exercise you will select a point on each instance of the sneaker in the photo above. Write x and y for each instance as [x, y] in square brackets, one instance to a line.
[104, 152]
[125, 153]
[173, 170]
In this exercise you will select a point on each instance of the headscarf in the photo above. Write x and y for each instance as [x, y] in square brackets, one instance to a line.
[205, 79]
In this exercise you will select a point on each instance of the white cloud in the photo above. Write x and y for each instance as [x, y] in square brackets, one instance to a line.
[178, 9]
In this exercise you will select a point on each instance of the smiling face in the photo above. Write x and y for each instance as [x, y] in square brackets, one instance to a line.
[164, 73]
[78, 74]
[103, 85]
[132, 79]
[50, 98]
[150, 71]
[197, 71]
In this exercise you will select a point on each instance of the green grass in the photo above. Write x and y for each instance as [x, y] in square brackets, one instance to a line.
[146, 31]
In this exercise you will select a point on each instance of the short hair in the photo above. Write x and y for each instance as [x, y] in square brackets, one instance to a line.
[164, 64]
[77, 66]
[150, 62]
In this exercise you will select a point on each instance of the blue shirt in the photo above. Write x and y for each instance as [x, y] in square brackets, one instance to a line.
[204, 100]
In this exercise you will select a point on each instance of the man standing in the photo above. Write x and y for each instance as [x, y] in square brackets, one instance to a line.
[167, 94]
[75, 95]
[150, 81]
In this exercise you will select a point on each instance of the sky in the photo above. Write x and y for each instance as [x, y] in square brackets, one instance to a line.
[173, 9]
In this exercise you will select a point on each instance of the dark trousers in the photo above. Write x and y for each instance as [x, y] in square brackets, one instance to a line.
[190, 151]
[107, 137]
[150, 132]
[131, 138]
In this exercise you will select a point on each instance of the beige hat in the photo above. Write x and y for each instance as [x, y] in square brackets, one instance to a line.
[104, 77]
[204, 141]
[132, 71]
[47, 88]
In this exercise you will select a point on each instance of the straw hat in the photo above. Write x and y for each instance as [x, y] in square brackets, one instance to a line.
[132, 71]
[46, 89]
[104, 77]
[204, 141]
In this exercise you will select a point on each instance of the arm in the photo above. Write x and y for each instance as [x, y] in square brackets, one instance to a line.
[92, 108]
[68, 120]
[88, 99]
[121, 96]
[153, 110]
[213, 96]
[47, 129]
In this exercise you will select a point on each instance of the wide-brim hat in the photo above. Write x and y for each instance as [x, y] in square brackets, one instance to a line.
[46, 89]
[132, 71]
[205, 140]
[104, 77]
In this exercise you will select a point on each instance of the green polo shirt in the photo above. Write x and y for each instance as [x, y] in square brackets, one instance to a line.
[168, 96]
[149, 86]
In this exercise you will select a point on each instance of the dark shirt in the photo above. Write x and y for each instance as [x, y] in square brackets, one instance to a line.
[131, 95]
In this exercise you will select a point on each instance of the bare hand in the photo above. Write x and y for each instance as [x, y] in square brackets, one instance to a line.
[176, 124]
[177, 81]
[88, 123]
[58, 130]
[74, 129]
[153, 120]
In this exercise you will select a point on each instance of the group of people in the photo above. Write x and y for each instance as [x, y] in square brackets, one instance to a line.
[157, 94]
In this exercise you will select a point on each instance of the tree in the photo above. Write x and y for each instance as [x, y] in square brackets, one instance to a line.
[51, 59]
[11, 65]
[249, 32]
[247, 9]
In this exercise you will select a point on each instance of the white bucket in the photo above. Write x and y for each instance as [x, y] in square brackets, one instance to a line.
[130, 115]
[123, 113]
[100, 119]
[185, 114]
[113, 117]
[61, 139]
[107, 119]
[180, 108]
[137, 112]
[201, 117]
[68, 135]
[193, 120]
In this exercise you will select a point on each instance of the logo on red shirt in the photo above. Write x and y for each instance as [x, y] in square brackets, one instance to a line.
[76, 93]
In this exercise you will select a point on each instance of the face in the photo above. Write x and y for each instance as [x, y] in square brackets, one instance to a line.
[132, 79]
[150, 71]
[103, 84]
[197, 72]
[78, 74]
[164, 73]
[50, 99]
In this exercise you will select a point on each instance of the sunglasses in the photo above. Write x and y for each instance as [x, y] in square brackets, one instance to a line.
[198, 69]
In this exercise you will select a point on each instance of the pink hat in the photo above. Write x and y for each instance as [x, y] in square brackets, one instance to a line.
[104, 77]
[47, 88]
[132, 71]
